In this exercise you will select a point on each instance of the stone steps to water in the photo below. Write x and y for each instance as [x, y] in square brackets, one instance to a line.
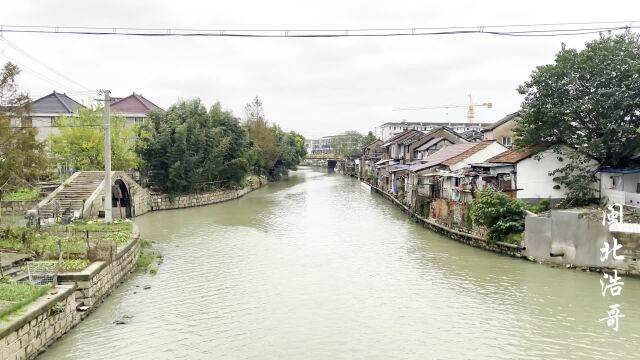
[71, 195]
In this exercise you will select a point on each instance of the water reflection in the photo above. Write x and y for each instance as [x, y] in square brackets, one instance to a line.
[317, 267]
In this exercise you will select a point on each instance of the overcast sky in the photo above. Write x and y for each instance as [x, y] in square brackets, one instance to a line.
[314, 86]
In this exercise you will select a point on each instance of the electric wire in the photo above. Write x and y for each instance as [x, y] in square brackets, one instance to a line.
[42, 63]
[524, 30]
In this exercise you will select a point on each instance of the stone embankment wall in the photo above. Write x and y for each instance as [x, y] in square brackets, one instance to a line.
[40, 323]
[10, 208]
[439, 221]
[165, 202]
[101, 277]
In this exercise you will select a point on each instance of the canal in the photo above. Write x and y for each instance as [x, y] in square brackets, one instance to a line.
[317, 267]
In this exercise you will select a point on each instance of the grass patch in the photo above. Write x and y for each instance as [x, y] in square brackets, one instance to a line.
[19, 295]
[22, 194]
[144, 260]
[514, 238]
[67, 265]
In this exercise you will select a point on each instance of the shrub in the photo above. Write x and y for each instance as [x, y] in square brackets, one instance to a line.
[500, 214]
[541, 206]
[22, 194]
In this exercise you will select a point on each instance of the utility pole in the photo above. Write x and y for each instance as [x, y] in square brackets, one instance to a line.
[107, 159]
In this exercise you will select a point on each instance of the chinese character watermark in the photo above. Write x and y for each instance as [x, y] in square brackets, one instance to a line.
[614, 316]
[612, 283]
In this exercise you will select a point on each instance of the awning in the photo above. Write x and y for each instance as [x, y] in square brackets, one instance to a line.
[383, 161]
[399, 167]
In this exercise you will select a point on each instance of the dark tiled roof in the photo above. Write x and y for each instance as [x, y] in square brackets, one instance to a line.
[429, 143]
[442, 155]
[502, 121]
[434, 123]
[405, 137]
[133, 104]
[466, 154]
[514, 156]
[55, 103]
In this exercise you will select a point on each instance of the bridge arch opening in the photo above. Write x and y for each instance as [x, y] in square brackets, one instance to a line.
[121, 200]
[331, 164]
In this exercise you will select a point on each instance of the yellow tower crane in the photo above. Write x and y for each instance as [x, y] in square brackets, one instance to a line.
[470, 112]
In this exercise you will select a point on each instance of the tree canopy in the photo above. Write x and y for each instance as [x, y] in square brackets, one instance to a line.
[272, 150]
[587, 99]
[187, 148]
[22, 157]
[80, 142]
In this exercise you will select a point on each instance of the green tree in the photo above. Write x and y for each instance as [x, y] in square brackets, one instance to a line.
[499, 213]
[273, 150]
[22, 157]
[349, 143]
[369, 139]
[588, 100]
[80, 142]
[264, 149]
[187, 149]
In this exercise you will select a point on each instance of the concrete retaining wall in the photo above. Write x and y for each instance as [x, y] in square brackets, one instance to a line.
[578, 236]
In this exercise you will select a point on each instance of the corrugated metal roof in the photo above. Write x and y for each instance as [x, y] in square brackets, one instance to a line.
[466, 154]
[442, 155]
[55, 103]
[429, 143]
[620, 171]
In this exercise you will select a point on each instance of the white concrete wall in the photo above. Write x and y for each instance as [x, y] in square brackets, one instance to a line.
[44, 127]
[532, 176]
[490, 151]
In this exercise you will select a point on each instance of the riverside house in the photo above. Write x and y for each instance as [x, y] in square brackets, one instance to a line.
[621, 186]
[502, 130]
[447, 173]
[134, 108]
[524, 173]
[46, 112]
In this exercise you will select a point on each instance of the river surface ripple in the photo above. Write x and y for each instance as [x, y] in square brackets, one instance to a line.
[317, 267]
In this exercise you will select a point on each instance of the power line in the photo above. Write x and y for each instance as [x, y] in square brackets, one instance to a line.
[36, 73]
[50, 126]
[529, 30]
[25, 53]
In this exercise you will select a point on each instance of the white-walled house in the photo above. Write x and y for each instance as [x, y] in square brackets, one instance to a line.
[621, 186]
[528, 173]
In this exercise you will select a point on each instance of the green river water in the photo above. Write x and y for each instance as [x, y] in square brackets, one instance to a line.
[317, 267]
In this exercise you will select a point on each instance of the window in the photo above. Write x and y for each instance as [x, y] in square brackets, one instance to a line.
[505, 140]
[138, 121]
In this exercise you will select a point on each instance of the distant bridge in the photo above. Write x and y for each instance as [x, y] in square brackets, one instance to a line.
[328, 160]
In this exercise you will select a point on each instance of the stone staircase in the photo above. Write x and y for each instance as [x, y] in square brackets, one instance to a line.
[12, 263]
[71, 194]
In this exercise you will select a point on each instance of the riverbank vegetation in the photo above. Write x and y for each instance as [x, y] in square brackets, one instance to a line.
[502, 215]
[24, 159]
[80, 142]
[88, 240]
[189, 149]
[13, 296]
[22, 194]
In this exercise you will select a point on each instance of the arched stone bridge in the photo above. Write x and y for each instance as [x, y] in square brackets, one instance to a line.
[83, 193]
